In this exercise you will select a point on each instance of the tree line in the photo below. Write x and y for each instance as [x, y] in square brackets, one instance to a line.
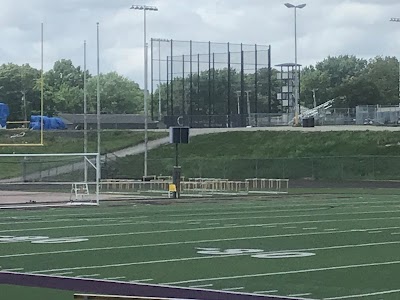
[351, 80]
[20, 88]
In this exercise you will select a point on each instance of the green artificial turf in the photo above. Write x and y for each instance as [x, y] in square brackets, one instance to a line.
[19, 293]
[350, 244]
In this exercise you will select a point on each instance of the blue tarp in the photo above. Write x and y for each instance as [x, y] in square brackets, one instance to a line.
[4, 113]
[49, 123]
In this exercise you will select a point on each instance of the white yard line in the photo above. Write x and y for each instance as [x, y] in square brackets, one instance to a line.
[233, 289]
[234, 227]
[395, 233]
[115, 278]
[273, 209]
[266, 292]
[375, 232]
[142, 280]
[241, 212]
[223, 227]
[331, 229]
[223, 219]
[128, 264]
[127, 219]
[201, 286]
[70, 220]
[61, 274]
[196, 258]
[241, 207]
[290, 227]
[310, 228]
[286, 273]
[87, 276]
[299, 295]
[13, 270]
[364, 295]
[216, 240]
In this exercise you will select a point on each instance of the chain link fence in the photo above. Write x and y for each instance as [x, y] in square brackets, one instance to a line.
[190, 79]
[378, 115]
[316, 168]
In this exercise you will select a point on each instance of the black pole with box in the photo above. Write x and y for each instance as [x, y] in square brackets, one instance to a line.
[178, 135]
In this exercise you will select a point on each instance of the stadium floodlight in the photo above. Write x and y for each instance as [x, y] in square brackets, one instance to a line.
[398, 21]
[296, 79]
[145, 8]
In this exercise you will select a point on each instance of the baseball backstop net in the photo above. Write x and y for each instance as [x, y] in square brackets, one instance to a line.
[206, 84]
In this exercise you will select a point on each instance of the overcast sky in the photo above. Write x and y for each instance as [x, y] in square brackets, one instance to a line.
[325, 27]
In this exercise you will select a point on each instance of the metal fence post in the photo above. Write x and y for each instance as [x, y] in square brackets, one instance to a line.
[243, 116]
[191, 83]
[172, 78]
[229, 86]
[269, 81]
[168, 84]
[183, 86]
[209, 84]
[256, 168]
[256, 84]
[152, 78]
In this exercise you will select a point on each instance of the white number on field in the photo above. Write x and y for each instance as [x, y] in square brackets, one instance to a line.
[256, 253]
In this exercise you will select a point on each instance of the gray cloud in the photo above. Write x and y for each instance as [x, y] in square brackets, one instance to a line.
[329, 27]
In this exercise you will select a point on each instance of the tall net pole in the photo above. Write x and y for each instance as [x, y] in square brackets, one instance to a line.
[42, 86]
[85, 133]
[98, 164]
[145, 94]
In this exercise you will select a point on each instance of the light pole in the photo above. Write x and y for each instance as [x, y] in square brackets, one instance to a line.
[159, 75]
[296, 78]
[145, 8]
[398, 21]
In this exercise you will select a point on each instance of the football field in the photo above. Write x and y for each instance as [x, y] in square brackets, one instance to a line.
[312, 247]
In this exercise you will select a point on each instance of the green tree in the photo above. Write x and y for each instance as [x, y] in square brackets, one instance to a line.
[358, 91]
[118, 94]
[384, 73]
[64, 73]
[15, 83]
[328, 77]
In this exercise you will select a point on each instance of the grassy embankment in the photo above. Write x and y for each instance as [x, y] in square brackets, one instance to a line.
[294, 155]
